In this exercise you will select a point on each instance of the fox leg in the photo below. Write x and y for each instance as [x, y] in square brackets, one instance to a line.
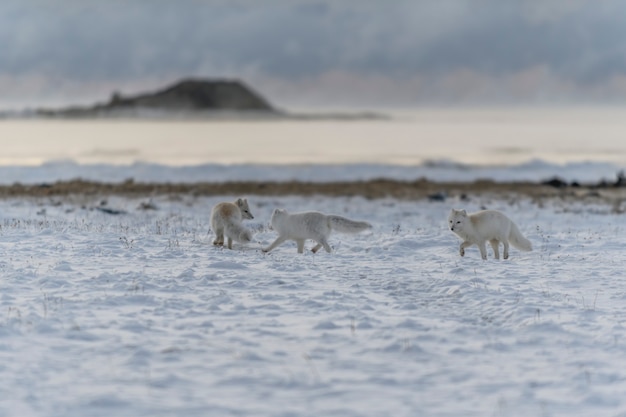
[300, 243]
[219, 237]
[483, 249]
[506, 249]
[463, 246]
[494, 245]
[279, 240]
[322, 242]
[230, 243]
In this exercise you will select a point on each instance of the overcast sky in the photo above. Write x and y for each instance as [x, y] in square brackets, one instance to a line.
[326, 52]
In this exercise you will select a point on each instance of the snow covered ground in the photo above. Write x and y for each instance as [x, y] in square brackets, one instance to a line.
[137, 314]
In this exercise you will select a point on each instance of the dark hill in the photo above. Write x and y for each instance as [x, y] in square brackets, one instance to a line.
[197, 95]
[189, 96]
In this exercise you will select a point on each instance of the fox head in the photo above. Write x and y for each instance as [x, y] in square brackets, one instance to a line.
[457, 219]
[244, 208]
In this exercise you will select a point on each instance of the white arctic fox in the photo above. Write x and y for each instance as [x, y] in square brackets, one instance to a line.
[310, 225]
[226, 221]
[487, 226]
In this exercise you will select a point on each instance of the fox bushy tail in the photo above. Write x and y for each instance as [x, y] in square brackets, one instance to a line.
[238, 233]
[344, 225]
[518, 240]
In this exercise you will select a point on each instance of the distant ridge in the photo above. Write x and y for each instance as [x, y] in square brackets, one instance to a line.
[189, 98]
[198, 94]
[186, 96]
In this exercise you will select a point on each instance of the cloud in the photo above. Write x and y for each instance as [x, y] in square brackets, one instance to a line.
[471, 50]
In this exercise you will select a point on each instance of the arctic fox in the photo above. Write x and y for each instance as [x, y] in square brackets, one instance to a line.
[310, 225]
[487, 226]
[226, 221]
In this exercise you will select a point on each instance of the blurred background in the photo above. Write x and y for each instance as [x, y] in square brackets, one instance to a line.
[476, 82]
[319, 53]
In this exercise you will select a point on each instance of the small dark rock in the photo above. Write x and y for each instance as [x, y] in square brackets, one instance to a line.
[555, 182]
[110, 211]
[440, 196]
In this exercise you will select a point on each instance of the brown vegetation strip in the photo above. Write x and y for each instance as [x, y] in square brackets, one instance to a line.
[373, 189]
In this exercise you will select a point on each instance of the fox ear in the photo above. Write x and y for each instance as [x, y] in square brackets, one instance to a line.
[463, 213]
[239, 201]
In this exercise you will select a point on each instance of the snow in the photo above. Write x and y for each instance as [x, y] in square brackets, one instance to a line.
[535, 170]
[139, 314]
[455, 144]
